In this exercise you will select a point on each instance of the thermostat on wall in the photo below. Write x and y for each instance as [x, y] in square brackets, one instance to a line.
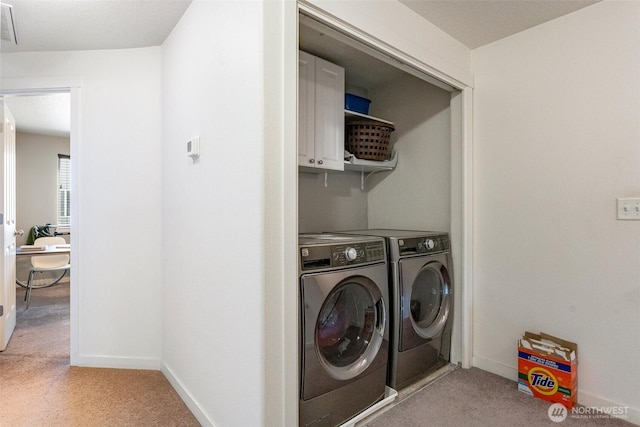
[193, 147]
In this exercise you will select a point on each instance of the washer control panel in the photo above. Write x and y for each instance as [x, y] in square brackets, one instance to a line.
[341, 255]
[357, 253]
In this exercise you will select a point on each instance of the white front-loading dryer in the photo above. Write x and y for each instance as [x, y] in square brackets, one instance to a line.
[344, 333]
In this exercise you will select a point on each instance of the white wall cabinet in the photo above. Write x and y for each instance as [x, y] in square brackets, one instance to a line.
[320, 114]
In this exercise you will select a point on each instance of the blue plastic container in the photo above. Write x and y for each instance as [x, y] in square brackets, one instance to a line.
[356, 103]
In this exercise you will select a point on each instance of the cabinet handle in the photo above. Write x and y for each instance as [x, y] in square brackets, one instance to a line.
[311, 161]
[320, 162]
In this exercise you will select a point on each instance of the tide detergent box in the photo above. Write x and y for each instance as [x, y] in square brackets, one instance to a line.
[548, 368]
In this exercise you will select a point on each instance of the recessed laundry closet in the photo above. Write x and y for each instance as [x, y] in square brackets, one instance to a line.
[395, 195]
[417, 193]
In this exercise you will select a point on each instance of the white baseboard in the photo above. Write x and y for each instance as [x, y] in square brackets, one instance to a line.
[186, 397]
[116, 362]
[584, 397]
[488, 365]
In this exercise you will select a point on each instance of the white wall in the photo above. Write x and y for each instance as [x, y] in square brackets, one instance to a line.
[556, 142]
[37, 179]
[116, 224]
[341, 205]
[213, 210]
[417, 195]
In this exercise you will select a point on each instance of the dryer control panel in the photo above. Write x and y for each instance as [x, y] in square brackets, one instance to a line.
[423, 245]
[341, 255]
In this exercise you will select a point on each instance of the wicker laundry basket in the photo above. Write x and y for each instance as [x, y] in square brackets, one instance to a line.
[369, 140]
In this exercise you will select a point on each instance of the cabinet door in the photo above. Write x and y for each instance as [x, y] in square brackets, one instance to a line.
[306, 108]
[329, 115]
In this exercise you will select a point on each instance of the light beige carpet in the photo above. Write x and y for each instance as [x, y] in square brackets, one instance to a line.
[39, 388]
[476, 398]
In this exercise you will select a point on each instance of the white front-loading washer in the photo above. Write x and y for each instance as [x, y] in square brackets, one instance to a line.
[421, 292]
[344, 334]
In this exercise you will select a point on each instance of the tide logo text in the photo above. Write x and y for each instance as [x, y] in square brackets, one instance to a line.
[543, 381]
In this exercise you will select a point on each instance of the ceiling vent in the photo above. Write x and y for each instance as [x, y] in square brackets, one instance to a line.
[7, 24]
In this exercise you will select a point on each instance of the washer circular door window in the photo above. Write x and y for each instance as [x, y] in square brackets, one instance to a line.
[350, 328]
[430, 300]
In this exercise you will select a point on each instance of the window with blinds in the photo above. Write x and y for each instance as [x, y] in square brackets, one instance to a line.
[64, 189]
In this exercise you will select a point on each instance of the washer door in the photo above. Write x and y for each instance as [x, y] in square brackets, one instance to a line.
[344, 328]
[350, 328]
[426, 300]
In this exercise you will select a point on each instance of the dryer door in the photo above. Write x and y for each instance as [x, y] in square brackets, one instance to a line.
[344, 327]
[427, 300]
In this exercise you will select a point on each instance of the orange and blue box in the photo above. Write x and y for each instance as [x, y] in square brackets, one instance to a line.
[548, 368]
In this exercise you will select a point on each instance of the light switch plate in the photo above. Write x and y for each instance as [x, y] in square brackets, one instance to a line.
[629, 208]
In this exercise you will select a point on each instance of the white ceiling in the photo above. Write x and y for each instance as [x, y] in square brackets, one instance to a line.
[476, 23]
[52, 25]
[59, 25]
[43, 114]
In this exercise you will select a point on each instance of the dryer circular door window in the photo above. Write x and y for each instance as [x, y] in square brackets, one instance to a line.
[350, 328]
[426, 301]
